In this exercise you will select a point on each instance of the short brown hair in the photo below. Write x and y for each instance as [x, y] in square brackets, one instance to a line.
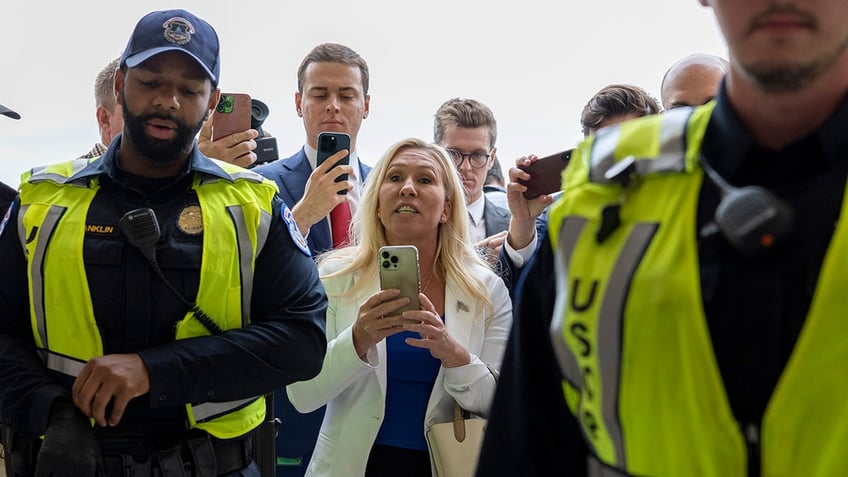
[333, 53]
[616, 100]
[464, 113]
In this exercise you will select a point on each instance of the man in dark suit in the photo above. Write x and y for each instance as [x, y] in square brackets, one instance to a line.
[332, 96]
[468, 130]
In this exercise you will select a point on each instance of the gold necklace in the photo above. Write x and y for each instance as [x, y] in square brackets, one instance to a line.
[427, 285]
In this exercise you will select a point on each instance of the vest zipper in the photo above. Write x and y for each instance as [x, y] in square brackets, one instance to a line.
[752, 439]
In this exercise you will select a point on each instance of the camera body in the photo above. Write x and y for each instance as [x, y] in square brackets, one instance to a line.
[266, 145]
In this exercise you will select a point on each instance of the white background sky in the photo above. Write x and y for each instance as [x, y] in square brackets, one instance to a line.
[534, 62]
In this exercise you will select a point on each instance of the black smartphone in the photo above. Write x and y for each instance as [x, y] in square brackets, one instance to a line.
[399, 269]
[330, 143]
[545, 174]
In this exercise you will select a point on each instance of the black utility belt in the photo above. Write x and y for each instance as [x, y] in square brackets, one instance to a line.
[199, 455]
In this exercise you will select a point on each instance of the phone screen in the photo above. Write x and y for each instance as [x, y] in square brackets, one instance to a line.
[330, 143]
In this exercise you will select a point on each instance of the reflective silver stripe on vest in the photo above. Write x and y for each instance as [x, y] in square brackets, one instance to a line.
[603, 153]
[263, 231]
[40, 174]
[202, 412]
[247, 175]
[596, 468]
[245, 251]
[610, 321]
[672, 153]
[210, 410]
[233, 176]
[62, 364]
[36, 263]
[569, 233]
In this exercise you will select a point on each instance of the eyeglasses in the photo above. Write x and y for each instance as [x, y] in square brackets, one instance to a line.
[476, 159]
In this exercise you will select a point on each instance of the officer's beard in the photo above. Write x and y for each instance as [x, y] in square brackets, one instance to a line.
[779, 77]
[160, 151]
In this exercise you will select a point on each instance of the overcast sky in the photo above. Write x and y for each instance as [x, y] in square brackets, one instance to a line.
[534, 62]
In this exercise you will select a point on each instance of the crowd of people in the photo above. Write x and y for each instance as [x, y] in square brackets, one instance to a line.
[672, 310]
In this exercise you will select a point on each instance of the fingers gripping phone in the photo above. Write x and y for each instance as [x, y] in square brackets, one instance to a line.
[232, 115]
[399, 269]
[545, 174]
[330, 143]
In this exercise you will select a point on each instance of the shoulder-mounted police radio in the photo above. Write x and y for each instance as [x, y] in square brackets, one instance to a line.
[751, 219]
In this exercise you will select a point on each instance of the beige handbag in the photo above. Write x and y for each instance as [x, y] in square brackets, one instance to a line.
[455, 446]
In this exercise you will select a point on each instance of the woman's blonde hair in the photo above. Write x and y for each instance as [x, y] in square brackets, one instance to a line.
[454, 250]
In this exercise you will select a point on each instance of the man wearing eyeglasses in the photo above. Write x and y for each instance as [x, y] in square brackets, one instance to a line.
[468, 130]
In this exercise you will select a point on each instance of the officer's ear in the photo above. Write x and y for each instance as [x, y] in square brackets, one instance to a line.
[213, 102]
[119, 86]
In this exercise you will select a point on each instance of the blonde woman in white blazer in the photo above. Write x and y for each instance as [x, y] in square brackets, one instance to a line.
[413, 196]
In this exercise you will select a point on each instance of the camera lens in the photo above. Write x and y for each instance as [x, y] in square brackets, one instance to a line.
[385, 254]
[328, 143]
[225, 104]
[258, 113]
[394, 259]
[385, 264]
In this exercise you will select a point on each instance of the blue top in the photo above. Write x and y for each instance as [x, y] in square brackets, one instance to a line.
[411, 373]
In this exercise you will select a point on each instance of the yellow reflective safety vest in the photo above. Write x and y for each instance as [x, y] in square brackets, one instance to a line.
[236, 216]
[630, 333]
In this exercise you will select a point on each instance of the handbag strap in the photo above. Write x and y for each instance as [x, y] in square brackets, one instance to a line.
[460, 415]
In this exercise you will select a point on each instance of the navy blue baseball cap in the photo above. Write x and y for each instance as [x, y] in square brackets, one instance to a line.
[9, 113]
[174, 30]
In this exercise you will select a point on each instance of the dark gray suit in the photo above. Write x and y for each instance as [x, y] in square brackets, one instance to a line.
[495, 217]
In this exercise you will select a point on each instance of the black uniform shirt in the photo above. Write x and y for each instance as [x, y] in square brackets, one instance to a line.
[756, 308]
[136, 311]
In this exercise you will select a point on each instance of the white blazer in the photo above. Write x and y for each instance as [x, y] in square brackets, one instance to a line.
[354, 390]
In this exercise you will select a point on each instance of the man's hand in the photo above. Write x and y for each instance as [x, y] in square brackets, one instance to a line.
[321, 194]
[70, 447]
[522, 224]
[490, 246]
[237, 148]
[115, 379]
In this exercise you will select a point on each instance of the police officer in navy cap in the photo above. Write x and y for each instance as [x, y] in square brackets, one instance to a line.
[153, 297]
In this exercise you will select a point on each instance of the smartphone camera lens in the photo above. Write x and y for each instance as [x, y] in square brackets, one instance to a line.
[385, 264]
[328, 143]
[394, 259]
[385, 254]
[225, 105]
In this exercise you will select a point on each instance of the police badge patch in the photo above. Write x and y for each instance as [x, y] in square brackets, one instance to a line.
[178, 30]
[296, 236]
[190, 221]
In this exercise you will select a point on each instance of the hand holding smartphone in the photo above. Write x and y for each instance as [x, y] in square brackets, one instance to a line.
[398, 266]
[330, 143]
[545, 174]
[232, 115]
